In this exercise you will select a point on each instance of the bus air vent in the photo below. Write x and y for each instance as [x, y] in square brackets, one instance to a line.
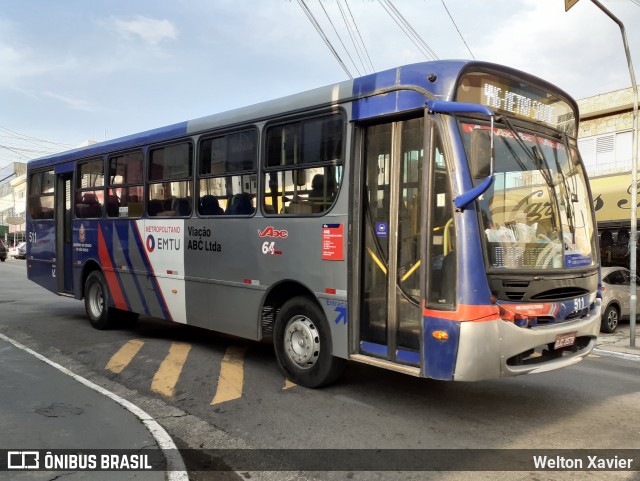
[522, 284]
[515, 295]
[560, 293]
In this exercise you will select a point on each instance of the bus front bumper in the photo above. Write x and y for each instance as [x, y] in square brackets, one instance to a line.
[497, 348]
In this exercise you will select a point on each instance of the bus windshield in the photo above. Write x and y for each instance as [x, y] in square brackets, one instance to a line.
[536, 214]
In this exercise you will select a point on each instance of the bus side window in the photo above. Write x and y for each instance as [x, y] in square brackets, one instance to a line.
[41, 195]
[124, 197]
[227, 181]
[303, 166]
[90, 189]
[442, 274]
[170, 174]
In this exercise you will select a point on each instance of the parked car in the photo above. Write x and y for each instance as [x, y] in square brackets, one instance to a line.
[616, 298]
[19, 251]
[3, 252]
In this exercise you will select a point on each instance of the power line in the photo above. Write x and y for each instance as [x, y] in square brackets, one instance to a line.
[364, 47]
[340, 38]
[30, 138]
[637, 2]
[318, 28]
[458, 30]
[408, 30]
[351, 36]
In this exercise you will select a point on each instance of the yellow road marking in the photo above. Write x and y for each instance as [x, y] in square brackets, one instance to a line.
[123, 357]
[167, 375]
[288, 384]
[231, 376]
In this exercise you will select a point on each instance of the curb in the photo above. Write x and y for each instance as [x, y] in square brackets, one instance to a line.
[617, 354]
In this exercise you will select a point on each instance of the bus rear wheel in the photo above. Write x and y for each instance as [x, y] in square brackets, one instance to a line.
[96, 301]
[302, 344]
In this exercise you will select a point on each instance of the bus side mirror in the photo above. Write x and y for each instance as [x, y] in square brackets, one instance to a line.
[480, 155]
[483, 158]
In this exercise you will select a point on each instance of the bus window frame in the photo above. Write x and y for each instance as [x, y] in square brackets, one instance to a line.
[438, 126]
[240, 173]
[76, 190]
[109, 185]
[39, 195]
[148, 182]
[341, 162]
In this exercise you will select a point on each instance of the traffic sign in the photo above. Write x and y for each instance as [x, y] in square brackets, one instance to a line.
[568, 4]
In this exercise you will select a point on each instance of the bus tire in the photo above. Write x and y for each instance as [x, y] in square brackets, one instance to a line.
[96, 301]
[302, 343]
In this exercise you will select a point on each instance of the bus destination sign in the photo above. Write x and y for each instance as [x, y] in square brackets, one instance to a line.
[522, 100]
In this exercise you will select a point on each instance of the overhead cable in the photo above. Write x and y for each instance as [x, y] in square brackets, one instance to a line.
[364, 47]
[457, 29]
[340, 38]
[408, 30]
[354, 41]
[318, 28]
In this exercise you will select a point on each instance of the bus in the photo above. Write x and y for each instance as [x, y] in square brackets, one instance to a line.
[434, 219]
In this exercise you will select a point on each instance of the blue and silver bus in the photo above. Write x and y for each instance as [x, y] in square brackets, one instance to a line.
[434, 219]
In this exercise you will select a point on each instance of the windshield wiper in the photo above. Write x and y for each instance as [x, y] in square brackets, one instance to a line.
[539, 161]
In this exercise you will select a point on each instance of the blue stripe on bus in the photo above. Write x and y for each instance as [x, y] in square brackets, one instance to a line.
[440, 356]
[410, 357]
[373, 348]
[123, 230]
[139, 242]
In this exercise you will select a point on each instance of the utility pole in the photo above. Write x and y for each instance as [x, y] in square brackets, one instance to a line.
[633, 242]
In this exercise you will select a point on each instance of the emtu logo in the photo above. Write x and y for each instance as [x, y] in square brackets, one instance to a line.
[151, 243]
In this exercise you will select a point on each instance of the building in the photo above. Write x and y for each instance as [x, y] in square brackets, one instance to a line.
[13, 201]
[605, 143]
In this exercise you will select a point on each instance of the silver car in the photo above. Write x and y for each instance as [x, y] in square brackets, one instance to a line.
[615, 297]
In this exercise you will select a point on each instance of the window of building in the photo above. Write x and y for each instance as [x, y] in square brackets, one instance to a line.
[608, 153]
[304, 166]
[125, 194]
[41, 195]
[170, 174]
[227, 174]
[90, 189]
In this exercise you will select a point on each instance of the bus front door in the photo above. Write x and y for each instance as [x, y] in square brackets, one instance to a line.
[63, 268]
[390, 313]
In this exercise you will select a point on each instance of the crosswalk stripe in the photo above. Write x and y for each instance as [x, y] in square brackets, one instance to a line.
[167, 375]
[231, 375]
[125, 354]
[288, 384]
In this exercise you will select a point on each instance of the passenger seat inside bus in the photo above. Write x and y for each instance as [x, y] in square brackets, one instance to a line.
[181, 206]
[209, 205]
[240, 204]
[113, 206]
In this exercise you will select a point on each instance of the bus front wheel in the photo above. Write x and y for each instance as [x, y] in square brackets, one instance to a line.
[96, 301]
[302, 344]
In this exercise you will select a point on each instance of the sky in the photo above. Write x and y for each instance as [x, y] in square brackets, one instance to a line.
[78, 70]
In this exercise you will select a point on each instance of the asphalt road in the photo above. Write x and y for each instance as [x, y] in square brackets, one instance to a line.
[213, 391]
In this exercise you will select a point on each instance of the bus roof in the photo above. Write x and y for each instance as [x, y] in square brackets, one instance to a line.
[405, 87]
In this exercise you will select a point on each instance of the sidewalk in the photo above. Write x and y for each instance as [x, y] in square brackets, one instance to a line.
[618, 342]
[43, 408]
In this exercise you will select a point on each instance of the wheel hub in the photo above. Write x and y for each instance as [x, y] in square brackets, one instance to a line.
[302, 342]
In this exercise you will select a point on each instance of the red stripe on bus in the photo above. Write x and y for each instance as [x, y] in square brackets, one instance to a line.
[465, 312]
[109, 274]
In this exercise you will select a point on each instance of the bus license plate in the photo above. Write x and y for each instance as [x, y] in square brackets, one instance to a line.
[565, 340]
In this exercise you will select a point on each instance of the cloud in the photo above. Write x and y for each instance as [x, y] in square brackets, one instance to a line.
[149, 30]
[580, 51]
[72, 102]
